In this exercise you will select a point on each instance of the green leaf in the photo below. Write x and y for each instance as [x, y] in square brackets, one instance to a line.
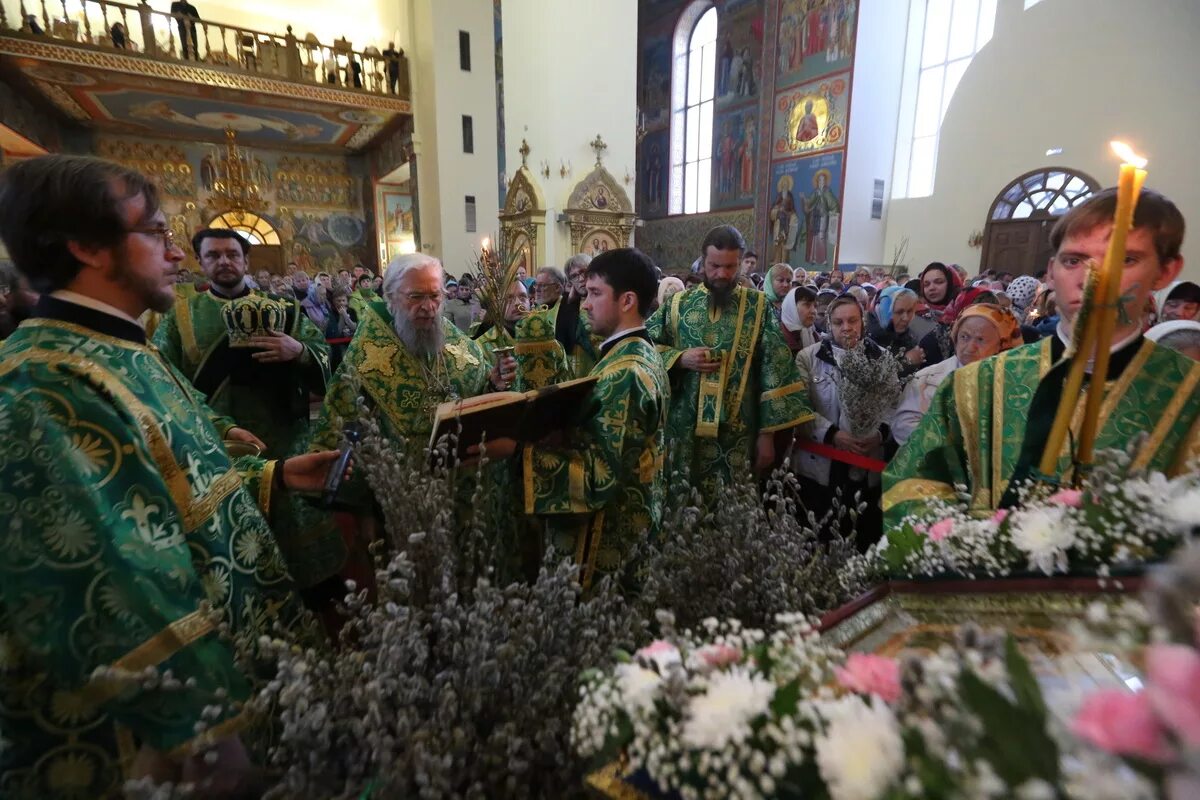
[787, 697]
[902, 542]
[1024, 684]
[1014, 740]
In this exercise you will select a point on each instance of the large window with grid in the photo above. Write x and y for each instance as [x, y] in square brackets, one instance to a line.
[693, 82]
[950, 33]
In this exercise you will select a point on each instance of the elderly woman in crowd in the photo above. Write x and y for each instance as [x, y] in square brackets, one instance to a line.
[820, 476]
[938, 344]
[777, 285]
[667, 287]
[316, 304]
[890, 327]
[1180, 335]
[981, 331]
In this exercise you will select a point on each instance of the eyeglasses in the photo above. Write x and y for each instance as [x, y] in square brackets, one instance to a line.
[166, 234]
[420, 298]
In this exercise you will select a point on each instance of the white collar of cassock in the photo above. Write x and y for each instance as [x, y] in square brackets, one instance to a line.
[94, 304]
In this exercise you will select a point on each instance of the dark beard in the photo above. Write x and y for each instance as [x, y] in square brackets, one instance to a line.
[720, 296]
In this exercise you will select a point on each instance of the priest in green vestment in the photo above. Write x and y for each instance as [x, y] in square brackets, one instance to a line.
[256, 357]
[733, 380]
[559, 330]
[406, 359]
[125, 518]
[540, 359]
[987, 424]
[601, 489]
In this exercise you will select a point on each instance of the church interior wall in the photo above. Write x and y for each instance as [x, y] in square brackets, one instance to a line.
[570, 75]
[443, 94]
[315, 203]
[1041, 84]
[780, 129]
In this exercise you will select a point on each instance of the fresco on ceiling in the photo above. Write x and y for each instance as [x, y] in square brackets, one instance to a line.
[811, 117]
[816, 37]
[315, 203]
[190, 115]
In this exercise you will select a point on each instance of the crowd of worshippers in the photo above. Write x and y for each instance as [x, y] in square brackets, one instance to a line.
[159, 453]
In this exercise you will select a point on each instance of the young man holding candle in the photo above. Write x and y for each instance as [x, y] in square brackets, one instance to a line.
[987, 427]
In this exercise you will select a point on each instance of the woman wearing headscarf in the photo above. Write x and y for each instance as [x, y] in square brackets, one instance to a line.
[980, 331]
[778, 284]
[666, 287]
[316, 304]
[939, 343]
[798, 318]
[1022, 292]
[890, 328]
[939, 286]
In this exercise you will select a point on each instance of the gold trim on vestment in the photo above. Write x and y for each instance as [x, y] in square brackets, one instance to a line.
[783, 391]
[42, 322]
[222, 730]
[527, 468]
[917, 489]
[791, 423]
[755, 330]
[999, 483]
[608, 782]
[202, 508]
[187, 330]
[1170, 415]
[575, 483]
[536, 346]
[167, 642]
[966, 404]
[266, 484]
[1189, 450]
[588, 567]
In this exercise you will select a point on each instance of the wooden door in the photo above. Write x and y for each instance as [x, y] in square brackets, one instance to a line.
[1019, 246]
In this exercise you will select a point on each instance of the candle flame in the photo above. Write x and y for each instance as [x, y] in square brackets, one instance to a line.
[486, 241]
[1127, 156]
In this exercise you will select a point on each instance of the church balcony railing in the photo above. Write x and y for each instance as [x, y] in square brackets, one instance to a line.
[141, 31]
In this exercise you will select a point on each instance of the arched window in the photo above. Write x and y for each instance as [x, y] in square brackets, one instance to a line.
[693, 82]
[1041, 193]
[252, 226]
[950, 33]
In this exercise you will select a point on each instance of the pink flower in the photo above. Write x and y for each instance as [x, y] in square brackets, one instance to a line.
[660, 653]
[1073, 498]
[871, 674]
[1000, 515]
[941, 530]
[718, 655]
[1122, 722]
[1173, 688]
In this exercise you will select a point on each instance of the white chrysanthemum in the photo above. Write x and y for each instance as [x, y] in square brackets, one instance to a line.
[1183, 510]
[639, 686]
[724, 712]
[1044, 535]
[860, 754]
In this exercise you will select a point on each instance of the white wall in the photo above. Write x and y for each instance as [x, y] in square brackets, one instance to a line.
[442, 94]
[570, 72]
[1072, 74]
[878, 67]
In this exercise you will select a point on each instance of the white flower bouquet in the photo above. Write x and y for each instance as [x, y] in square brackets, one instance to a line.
[1114, 521]
[736, 713]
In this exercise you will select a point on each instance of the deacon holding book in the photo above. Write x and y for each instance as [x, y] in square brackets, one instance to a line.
[256, 356]
[601, 489]
[988, 424]
[733, 381]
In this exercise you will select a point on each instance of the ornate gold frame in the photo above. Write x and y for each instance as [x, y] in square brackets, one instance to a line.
[524, 216]
[599, 204]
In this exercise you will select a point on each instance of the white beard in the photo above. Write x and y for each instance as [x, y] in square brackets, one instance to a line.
[418, 341]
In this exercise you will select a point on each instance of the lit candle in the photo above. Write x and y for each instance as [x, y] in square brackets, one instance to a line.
[1093, 330]
[1129, 188]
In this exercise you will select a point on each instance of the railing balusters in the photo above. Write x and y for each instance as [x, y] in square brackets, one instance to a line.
[24, 17]
[207, 46]
[172, 22]
[3, 18]
[87, 26]
[46, 19]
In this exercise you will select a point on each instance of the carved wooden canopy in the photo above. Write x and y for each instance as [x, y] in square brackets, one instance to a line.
[599, 210]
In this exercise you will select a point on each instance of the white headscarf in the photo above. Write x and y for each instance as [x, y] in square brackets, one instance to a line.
[789, 315]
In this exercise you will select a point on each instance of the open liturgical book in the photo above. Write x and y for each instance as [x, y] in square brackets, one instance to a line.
[524, 416]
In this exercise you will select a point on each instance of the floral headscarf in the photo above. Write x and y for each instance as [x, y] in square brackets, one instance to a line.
[961, 301]
[1004, 321]
[1022, 291]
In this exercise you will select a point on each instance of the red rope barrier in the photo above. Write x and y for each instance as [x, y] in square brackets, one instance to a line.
[853, 459]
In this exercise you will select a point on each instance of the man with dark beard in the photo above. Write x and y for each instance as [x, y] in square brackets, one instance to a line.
[733, 381]
[256, 356]
[405, 359]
